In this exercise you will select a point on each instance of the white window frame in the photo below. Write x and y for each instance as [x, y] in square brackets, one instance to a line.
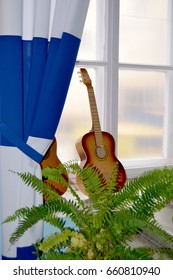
[107, 87]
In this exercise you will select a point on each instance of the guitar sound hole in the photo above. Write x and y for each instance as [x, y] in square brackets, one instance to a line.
[100, 152]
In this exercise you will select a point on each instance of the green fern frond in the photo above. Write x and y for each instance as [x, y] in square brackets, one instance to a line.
[18, 214]
[38, 185]
[152, 199]
[76, 197]
[55, 174]
[34, 215]
[55, 221]
[154, 228]
[99, 196]
[113, 179]
[47, 213]
[68, 208]
[152, 188]
[56, 240]
[72, 167]
[136, 253]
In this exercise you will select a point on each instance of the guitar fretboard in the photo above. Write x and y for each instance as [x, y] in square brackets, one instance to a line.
[95, 117]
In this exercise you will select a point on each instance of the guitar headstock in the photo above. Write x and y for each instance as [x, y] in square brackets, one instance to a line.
[85, 77]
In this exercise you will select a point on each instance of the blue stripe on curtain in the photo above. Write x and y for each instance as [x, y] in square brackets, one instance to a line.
[10, 86]
[55, 88]
[26, 56]
[24, 253]
[20, 76]
[34, 75]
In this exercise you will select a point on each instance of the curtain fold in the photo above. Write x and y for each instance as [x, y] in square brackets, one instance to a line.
[39, 42]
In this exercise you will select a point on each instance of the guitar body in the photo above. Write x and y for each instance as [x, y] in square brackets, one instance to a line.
[104, 161]
[51, 160]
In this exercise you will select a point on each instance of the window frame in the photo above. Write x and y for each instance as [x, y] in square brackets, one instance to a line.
[108, 89]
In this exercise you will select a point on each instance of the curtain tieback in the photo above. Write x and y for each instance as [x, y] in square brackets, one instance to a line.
[19, 143]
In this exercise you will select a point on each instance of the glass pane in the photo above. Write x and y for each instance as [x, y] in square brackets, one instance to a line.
[141, 114]
[76, 118]
[144, 31]
[93, 37]
[88, 42]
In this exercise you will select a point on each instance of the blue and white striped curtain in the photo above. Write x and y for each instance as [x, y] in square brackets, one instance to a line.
[39, 41]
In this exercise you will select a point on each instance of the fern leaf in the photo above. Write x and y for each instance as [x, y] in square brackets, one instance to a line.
[18, 214]
[56, 240]
[38, 185]
[157, 182]
[159, 232]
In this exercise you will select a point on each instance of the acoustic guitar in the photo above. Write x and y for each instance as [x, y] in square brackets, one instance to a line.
[51, 160]
[97, 148]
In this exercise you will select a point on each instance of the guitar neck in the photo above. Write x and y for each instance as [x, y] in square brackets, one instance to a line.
[95, 117]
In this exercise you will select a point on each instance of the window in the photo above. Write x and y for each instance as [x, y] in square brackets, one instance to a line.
[126, 49]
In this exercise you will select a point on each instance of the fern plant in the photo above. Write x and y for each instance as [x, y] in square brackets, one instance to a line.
[104, 226]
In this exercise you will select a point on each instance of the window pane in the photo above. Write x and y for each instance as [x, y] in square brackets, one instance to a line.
[144, 31]
[92, 43]
[88, 43]
[76, 118]
[141, 111]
